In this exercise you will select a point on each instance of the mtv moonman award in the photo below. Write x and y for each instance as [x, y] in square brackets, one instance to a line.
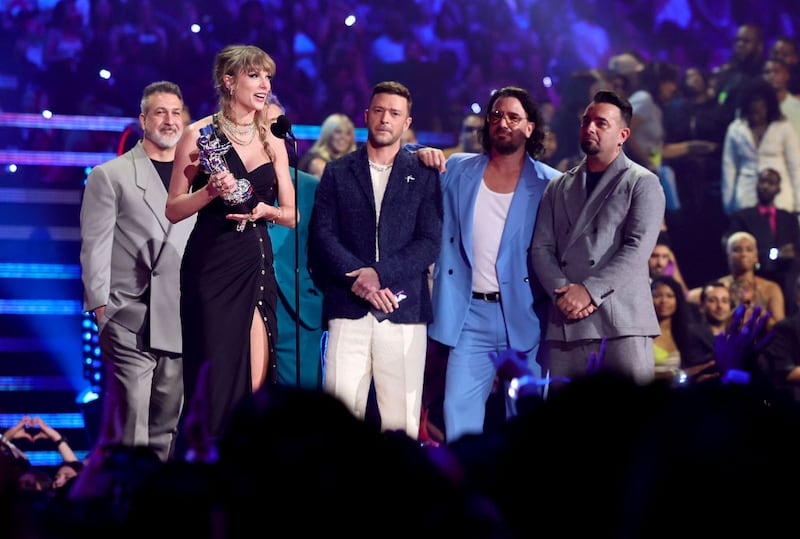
[212, 159]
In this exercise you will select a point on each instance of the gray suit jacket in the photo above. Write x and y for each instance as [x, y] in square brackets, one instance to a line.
[130, 253]
[604, 243]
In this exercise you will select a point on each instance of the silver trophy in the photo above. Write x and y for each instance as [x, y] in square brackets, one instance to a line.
[212, 159]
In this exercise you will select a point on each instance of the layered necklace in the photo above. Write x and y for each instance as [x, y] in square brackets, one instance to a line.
[380, 168]
[240, 134]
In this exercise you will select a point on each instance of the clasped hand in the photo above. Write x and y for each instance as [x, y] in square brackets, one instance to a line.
[574, 301]
[368, 286]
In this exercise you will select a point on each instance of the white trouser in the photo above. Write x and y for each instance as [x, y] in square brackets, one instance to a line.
[393, 355]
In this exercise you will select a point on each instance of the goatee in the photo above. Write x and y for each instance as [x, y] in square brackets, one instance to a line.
[590, 148]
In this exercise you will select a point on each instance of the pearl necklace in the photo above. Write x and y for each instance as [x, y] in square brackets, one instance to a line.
[236, 134]
[380, 168]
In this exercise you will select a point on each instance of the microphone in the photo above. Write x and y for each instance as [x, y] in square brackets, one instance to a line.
[282, 127]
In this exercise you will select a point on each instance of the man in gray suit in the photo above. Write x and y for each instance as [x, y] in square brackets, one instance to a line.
[130, 264]
[597, 225]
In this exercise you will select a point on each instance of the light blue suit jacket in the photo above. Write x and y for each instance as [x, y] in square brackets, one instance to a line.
[452, 277]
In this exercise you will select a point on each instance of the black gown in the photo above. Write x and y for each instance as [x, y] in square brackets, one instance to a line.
[225, 276]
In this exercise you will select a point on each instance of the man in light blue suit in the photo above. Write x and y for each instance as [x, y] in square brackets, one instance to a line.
[484, 295]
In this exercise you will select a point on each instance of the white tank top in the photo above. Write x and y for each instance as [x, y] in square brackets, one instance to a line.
[491, 210]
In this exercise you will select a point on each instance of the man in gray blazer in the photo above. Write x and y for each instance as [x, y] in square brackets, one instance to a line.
[130, 265]
[597, 225]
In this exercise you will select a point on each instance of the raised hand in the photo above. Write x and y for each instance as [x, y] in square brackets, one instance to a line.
[742, 340]
[18, 432]
[510, 364]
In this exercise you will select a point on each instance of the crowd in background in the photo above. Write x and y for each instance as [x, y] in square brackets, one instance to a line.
[692, 70]
[451, 54]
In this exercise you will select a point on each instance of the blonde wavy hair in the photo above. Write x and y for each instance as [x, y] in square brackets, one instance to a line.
[233, 61]
[322, 146]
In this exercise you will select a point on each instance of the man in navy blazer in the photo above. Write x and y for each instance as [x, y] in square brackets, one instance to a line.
[596, 229]
[375, 229]
[484, 296]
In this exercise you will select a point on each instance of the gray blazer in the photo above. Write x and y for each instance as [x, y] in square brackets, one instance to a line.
[130, 253]
[604, 243]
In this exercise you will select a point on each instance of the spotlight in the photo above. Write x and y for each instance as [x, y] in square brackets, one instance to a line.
[105, 74]
[86, 396]
[47, 114]
[547, 82]
[350, 20]
[12, 168]
[194, 28]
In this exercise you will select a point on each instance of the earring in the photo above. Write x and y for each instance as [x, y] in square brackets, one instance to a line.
[758, 266]
[231, 90]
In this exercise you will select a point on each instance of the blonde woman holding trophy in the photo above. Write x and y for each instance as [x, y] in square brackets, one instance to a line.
[233, 173]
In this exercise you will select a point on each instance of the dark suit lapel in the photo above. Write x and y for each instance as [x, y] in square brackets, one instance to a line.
[399, 177]
[360, 171]
[760, 225]
[784, 227]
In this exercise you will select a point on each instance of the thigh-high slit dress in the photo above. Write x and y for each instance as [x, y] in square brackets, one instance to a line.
[226, 276]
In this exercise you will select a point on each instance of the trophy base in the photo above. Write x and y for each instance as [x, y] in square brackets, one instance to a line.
[241, 199]
[243, 207]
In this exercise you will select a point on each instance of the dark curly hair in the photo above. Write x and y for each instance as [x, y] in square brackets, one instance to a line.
[535, 143]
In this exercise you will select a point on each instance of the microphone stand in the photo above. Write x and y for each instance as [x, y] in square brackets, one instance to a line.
[296, 264]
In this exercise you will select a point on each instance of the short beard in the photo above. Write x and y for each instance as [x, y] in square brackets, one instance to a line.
[162, 141]
[506, 148]
[589, 148]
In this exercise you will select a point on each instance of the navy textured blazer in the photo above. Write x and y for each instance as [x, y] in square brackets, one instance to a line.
[344, 229]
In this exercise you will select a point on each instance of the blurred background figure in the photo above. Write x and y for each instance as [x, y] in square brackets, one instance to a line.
[760, 138]
[676, 355]
[777, 234]
[662, 261]
[336, 138]
[785, 49]
[745, 286]
[469, 137]
[409, 137]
